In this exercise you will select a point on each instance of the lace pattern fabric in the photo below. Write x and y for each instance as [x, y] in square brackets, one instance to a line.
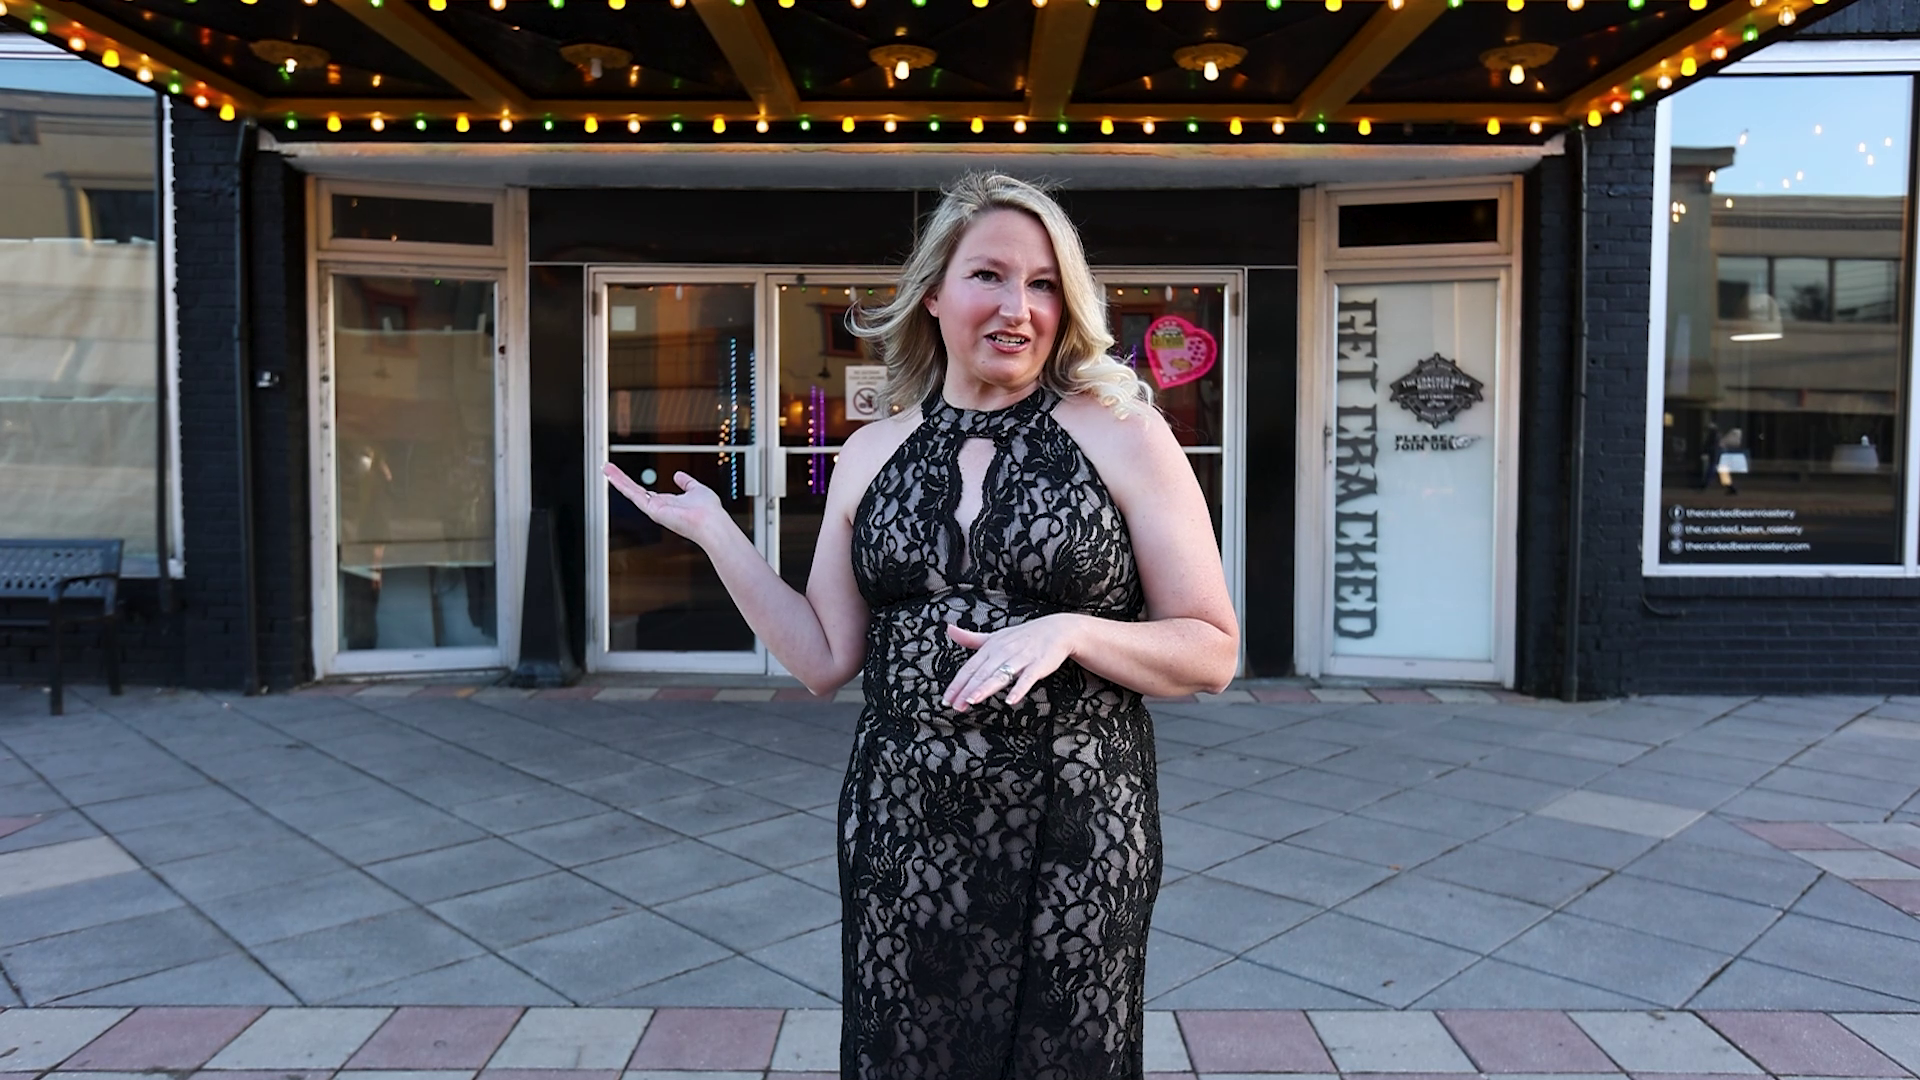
[998, 867]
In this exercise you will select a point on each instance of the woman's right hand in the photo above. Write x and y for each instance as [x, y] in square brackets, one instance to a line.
[695, 514]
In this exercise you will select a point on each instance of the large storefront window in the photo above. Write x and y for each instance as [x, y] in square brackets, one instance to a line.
[79, 318]
[1782, 431]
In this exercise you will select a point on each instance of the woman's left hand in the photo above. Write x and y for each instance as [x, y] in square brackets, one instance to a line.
[1012, 659]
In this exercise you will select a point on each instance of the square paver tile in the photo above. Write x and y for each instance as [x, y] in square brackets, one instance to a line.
[1897, 1036]
[593, 839]
[1390, 1042]
[299, 907]
[301, 1039]
[1863, 865]
[1718, 923]
[331, 963]
[596, 962]
[1844, 954]
[54, 865]
[73, 963]
[1248, 1040]
[1662, 1042]
[711, 811]
[1614, 958]
[1224, 915]
[477, 980]
[432, 1037]
[43, 1038]
[455, 871]
[1776, 883]
[1572, 842]
[1439, 813]
[1164, 1050]
[1241, 984]
[1745, 984]
[661, 874]
[809, 1042]
[1309, 876]
[33, 915]
[709, 1039]
[572, 1039]
[1536, 879]
[1801, 1044]
[779, 843]
[1369, 961]
[737, 980]
[812, 959]
[155, 1039]
[225, 873]
[1379, 842]
[1441, 911]
[510, 914]
[1529, 1041]
[1191, 845]
[1257, 815]
[1639, 816]
[756, 912]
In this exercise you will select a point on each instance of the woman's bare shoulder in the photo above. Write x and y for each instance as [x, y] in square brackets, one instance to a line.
[1102, 432]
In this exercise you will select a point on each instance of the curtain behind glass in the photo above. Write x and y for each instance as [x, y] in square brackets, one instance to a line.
[79, 314]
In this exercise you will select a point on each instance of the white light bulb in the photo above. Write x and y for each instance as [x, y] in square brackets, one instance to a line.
[1517, 75]
[901, 69]
[1212, 71]
[594, 70]
[292, 65]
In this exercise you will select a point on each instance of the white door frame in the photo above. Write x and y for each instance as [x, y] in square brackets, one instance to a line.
[600, 657]
[1322, 267]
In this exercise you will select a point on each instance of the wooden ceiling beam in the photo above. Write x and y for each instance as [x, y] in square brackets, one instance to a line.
[743, 39]
[1060, 33]
[1732, 15]
[132, 44]
[419, 37]
[1384, 36]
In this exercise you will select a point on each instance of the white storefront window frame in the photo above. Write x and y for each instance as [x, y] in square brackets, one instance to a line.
[1841, 57]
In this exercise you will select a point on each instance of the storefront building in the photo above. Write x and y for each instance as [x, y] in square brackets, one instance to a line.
[1493, 362]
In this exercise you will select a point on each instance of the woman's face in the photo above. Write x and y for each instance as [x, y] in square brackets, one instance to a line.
[999, 305]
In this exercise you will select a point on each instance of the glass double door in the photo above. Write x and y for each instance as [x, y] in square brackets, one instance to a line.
[750, 383]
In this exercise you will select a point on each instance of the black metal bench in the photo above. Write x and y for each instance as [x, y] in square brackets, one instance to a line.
[77, 580]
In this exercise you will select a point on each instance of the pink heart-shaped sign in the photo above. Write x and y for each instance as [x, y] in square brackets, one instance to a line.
[1178, 351]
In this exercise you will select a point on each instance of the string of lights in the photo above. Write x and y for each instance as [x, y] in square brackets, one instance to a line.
[1714, 47]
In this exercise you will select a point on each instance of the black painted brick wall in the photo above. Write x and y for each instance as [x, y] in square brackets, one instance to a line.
[1869, 19]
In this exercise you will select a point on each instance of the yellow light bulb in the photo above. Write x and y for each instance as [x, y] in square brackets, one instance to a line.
[901, 69]
[1517, 75]
[719, 125]
[437, 5]
[1211, 71]
[760, 125]
[333, 121]
[846, 125]
[977, 126]
[461, 124]
[1153, 5]
[593, 125]
[1146, 126]
[1593, 117]
[226, 111]
[1233, 126]
[1493, 126]
[1688, 67]
[1366, 127]
[1106, 126]
[633, 125]
[1516, 5]
[111, 58]
[1333, 5]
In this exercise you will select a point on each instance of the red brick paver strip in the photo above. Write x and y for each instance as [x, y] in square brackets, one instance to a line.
[1904, 895]
[11, 825]
[1907, 855]
[1802, 836]
[251, 1074]
[163, 1037]
[547, 1074]
[1242, 1041]
[567, 693]
[1285, 695]
[1531, 1041]
[437, 1037]
[1393, 696]
[1801, 1044]
[686, 693]
[715, 1039]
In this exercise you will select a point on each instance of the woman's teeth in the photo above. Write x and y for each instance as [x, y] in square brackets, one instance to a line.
[1006, 339]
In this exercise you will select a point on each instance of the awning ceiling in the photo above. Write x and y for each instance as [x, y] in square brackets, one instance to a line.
[1046, 71]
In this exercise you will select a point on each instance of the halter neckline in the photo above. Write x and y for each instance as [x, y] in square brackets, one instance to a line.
[945, 415]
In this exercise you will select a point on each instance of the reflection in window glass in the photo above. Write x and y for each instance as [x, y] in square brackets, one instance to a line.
[79, 312]
[1784, 325]
[1158, 329]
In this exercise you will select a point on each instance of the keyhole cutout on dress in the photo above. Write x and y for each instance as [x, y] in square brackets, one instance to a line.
[974, 460]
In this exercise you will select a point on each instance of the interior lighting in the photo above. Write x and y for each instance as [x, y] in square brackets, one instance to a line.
[1333, 5]
[497, 5]
[437, 5]
[1576, 5]
[1193, 127]
[293, 122]
[806, 124]
[1213, 5]
[1787, 16]
[1061, 127]
[1516, 5]
[1719, 52]
[1751, 33]
[677, 127]
[933, 125]
[38, 24]
[1616, 106]
[1154, 5]
[1663, 82]
[419, 123]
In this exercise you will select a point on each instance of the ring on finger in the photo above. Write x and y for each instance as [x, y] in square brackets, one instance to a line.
[1006, 669]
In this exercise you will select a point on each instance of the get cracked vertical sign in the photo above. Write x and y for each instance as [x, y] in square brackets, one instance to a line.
[1356, 475]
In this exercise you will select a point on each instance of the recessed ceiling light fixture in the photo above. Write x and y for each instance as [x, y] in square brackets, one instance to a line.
[1210, 58]
[901, 60]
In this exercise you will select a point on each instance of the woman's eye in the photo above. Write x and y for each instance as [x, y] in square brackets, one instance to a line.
[986, 275]
[1045, 286]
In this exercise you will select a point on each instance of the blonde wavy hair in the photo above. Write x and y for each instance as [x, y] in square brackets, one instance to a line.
[907, 337]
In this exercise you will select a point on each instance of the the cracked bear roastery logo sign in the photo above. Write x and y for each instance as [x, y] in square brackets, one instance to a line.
[1436, 390]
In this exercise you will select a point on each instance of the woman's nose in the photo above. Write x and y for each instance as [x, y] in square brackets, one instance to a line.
[1013, 305]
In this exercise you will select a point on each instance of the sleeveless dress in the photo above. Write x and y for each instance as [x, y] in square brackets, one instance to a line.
[997, 867]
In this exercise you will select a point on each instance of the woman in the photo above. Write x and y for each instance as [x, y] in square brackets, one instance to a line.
[1011, 562]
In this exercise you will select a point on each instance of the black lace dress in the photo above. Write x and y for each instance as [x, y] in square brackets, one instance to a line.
[997, 866]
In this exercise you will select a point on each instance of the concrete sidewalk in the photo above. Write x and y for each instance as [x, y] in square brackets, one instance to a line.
[447, 846]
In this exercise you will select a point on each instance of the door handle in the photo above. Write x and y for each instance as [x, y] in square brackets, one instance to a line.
[777, 468]
[751, 489]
